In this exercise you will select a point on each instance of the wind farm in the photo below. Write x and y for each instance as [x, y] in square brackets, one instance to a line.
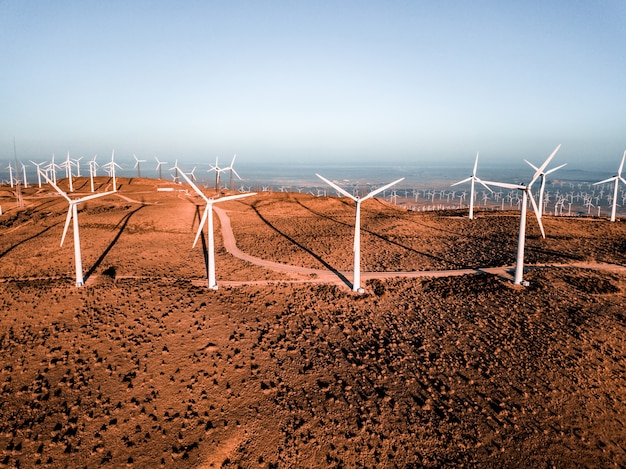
[288, 362]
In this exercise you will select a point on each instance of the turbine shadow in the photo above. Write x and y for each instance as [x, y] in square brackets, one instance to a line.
[379, 236]
[122, 226]
[304, 248]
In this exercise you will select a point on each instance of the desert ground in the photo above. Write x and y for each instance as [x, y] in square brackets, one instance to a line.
[442, 362]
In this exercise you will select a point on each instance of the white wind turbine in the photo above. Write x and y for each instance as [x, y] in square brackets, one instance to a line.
[217, 170]
[53, 167]
[24, 172]
[473, 178]
[110, 167]
[526, 194]
[356, 282]
[37, 165]
[543, 182]
[208, 216]
[137, 165]
[67, 164]
[232, 170]
[72, 213]
[617, 178]
[10, 168]
[93, 167]
[158, 167]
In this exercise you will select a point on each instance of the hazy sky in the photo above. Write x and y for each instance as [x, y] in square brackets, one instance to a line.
[397, 81]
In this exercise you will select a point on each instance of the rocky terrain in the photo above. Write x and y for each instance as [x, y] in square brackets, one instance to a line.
[145, 366]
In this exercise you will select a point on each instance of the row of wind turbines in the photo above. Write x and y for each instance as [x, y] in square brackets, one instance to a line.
[207, 217]
[72, 166]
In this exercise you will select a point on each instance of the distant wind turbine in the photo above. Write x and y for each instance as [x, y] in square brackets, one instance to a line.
[137, 165]
[473, 178]
[232, 170]
[37, 165]
[356, 283]
[617, 178]
[217, 170]
[24, 172]
[93, 167]
[72, 213]
[526, 194]
[208, 216]
[110, 167]
[158, 167]
[67, 164]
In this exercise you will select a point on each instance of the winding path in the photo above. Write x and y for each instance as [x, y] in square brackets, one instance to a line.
[308, 275]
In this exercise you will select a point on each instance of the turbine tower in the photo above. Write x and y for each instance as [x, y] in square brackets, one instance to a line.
[356, 283]
[526, 194]
[543, 182]
[617, 178]
[473, 178]
[72, 213]
[208, 216]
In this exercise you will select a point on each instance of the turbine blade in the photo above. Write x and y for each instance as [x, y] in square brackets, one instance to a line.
[336, 187]
[505, 185]
[606, 180]
[461, 182]
[532, 165]
[67, 223]
[233, 170]
[554, 169]
[621, 165]
[484, 185]
[190, 182]
[475, 165]
[93, 196]
[203, 220]
[381, 189]
[233, 197]
[536, 209]
[55, 186]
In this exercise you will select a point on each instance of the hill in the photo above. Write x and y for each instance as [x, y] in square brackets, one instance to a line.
[145, 366]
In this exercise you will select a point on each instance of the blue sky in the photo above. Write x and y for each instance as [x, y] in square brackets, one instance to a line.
[304, 81]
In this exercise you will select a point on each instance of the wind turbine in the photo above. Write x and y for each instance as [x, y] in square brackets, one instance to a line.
[208, 215]
[526, 194]
[617, 178]
[72, 213]
[473, 178]
[37, 165]
[356, 283]
[232, 170]
[24, 172]
[110, 167]
[137, 161]
[10, 168]
[159, 164]
[53, 167]
[217, 170]
[93, 166]
[67, 164]
[543, 182]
